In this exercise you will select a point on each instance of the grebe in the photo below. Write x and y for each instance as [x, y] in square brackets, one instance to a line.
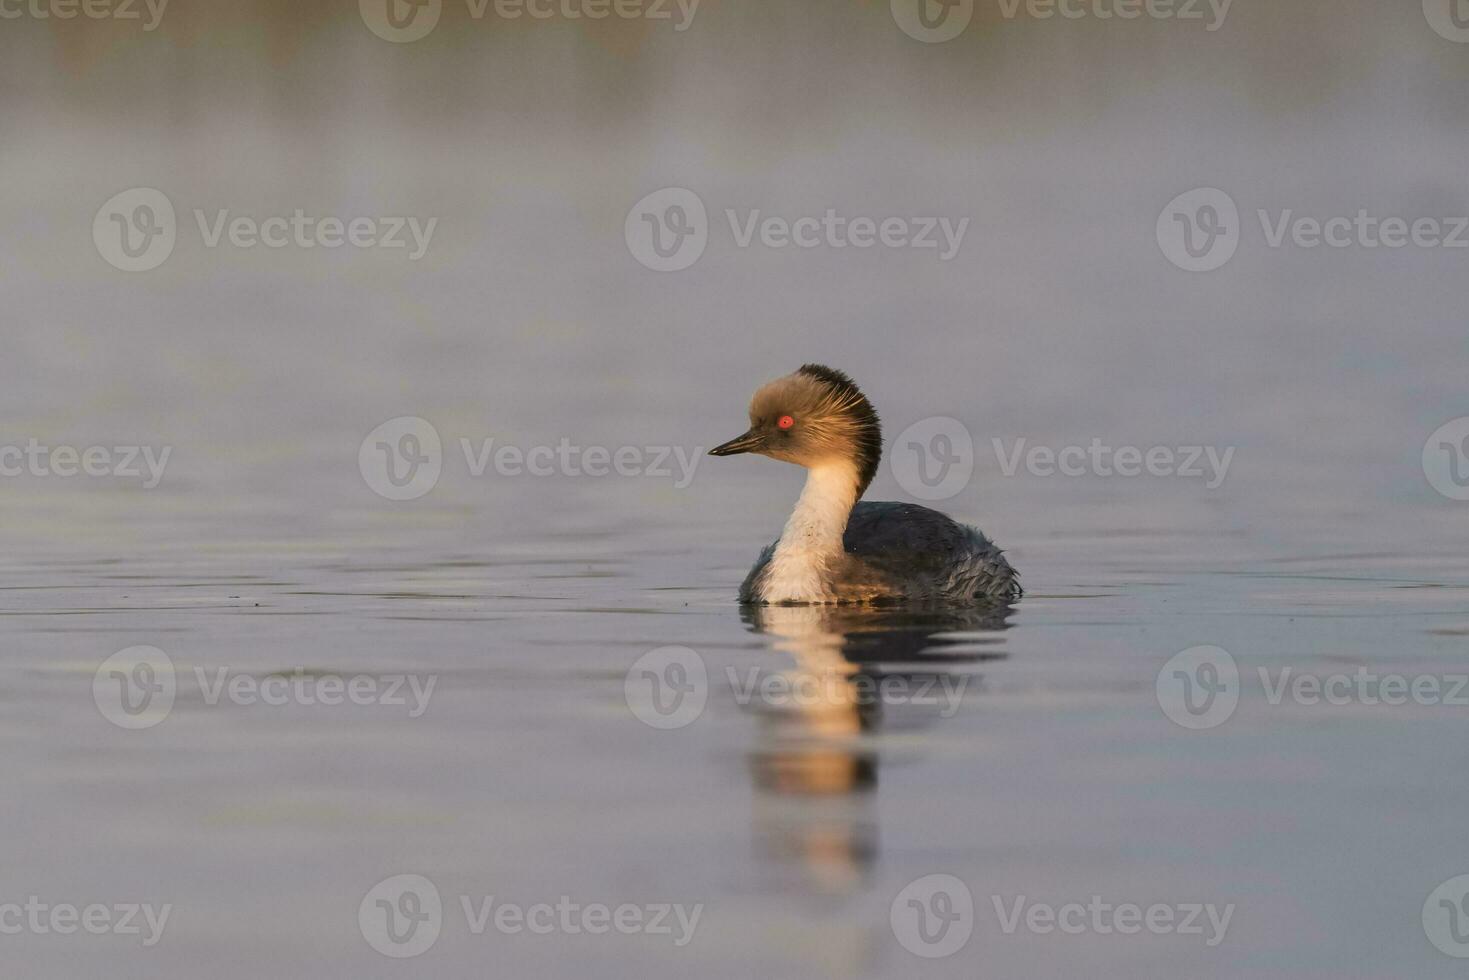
[834, 549]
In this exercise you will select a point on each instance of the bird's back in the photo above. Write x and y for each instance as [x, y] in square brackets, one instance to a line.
[906, 551]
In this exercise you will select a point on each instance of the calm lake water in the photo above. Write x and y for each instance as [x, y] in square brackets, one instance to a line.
[548, 693]
[1036, 762]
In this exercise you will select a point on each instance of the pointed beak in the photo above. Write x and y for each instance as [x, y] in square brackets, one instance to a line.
[750, 442]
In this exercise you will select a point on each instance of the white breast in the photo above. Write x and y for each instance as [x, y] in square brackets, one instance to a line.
[811, 544]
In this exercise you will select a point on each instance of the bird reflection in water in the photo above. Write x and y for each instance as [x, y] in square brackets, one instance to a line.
[857, 670]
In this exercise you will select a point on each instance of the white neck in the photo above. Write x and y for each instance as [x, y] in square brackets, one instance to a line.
[812, 538]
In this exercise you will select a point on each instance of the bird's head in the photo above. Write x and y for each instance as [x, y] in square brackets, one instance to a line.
[814, 417]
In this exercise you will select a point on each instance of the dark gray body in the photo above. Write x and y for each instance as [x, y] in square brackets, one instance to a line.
[898, 551]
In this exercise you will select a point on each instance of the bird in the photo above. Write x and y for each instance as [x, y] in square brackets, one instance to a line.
[835, 549]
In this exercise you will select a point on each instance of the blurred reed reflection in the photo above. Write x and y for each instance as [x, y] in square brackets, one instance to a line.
[856, 671]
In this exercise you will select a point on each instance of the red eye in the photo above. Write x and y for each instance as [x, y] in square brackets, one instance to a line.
[786, 422]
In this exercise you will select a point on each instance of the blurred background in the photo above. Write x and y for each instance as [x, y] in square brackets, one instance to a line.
[529, 319]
